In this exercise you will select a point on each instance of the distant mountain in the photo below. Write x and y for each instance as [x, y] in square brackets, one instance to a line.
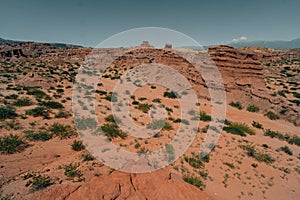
[293, 44]
[57, 45]
[279, 44]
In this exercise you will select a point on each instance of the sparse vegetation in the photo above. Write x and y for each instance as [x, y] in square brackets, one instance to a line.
[7, 113]
[252, 108]
[239, 129]
[112, 131]
[77, 145]
[237, 105]
[41, 135]
[261, 157]
[39, 111]
[290, 139]
[11, 144]
[195, 181]
[257, 125]
[23, 102]
[286, 150]
[62, 131]
[40, 182]
[271, 115]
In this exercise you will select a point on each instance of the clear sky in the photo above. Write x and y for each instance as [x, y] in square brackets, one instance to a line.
[88, 22]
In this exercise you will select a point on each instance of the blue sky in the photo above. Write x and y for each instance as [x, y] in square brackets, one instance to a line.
[88, 22]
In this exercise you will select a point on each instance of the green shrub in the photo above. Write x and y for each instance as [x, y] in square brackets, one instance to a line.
[11, 144]
[156, 100]
[112, 131]
[40, 182]
[113, 119]
[230, 165]
[62, 131]
[257, 125]
[290, 139]
[71, 170]
[62, 114]
[167, 127]
[286, 149]
[195, 181]
[87, 157]
[252, 108]
[7, 113]
[194, 161]
[52, 104]
[12, 96]
[295, 101]
[261, 157]
[271, 115]
[297, 95]
[239, 129]
[171, 95]
[39, 111]
[41, 135]
[237, 105]
[204, 116]
[39, 94]
[23, 102]
[156, 124]
[234, 131]
[144, 107]
[77, 145]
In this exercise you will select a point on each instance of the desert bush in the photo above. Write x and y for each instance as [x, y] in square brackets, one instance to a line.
[41, 135]
[237, 105]
[13, 124]
[12, 96]
[156, 124]
[195, 181]
[23, 102]
[87, 157]
[77, 145]
[171, 95]
[239, 129]
[204, 157]
[113, 119]
[204, 116]
[39, 94]
[295, 101]
[112, 131]
[230, 165]
[62, 114]
[257, 125]
[261, 157]
[271, 115]
[39, 111]
[297, 95]
[167, 126]
[252, 108]
[11, 144]
[112, 97]
[62, 131]
[286, 150]
[194, 161]
[52, 104]
[144, 107]
[40, 182]
[290, 139]
[71, 170]
[7, 113]
[156, 100]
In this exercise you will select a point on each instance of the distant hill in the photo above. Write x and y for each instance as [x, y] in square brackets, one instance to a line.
[278, 44]
[293, 44]
[57, 45]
